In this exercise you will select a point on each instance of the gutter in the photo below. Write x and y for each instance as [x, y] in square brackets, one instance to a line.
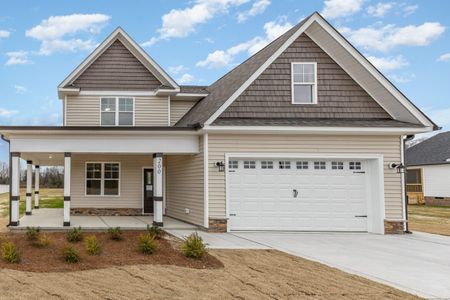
[9, 171]
[407, 138]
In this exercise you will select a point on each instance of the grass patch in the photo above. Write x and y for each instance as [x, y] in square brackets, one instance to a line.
[431, 219]
[49, 198]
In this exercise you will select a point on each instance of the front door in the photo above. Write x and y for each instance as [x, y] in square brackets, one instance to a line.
[148, 191]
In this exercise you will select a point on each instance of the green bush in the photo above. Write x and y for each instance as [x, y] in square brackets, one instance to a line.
[43, 241]
[10, 253]
[156, 231]
[93, 246]
[147, 244]
[193, 246]
[115, 233]
[70, 255]
[32, 233]
[75, 235]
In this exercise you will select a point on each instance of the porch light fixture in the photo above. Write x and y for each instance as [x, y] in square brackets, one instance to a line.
[220, 165]
[399, 166]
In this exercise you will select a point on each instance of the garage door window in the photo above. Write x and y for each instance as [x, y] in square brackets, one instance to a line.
[233, 164]
[337, 165]
[267, 165]
[284, 164]
[319, 165]
[302, 165]
[249, 164]
[355, 165]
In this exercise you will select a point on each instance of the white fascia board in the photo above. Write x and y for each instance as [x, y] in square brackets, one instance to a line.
[260, 70]
[117, 93]
[373, 71]
[93, 134]
[132, 46]
[315, 130]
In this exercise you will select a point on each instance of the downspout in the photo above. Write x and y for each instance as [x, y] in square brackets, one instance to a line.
[10, 173]
[407, 138]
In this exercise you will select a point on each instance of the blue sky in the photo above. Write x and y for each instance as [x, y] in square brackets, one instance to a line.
[198, 41]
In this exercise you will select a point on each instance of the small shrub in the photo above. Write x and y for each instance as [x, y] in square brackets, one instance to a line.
[70, 255]
[93, 246]
[115, 233]
[156, 231]
[193, 246]
[32, 233]
[43, 241]
[147, 244]
[10, 253]
[75, 235]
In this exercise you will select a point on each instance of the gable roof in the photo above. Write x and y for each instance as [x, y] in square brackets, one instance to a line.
[225, 90]
[435, 150]
[134, 48]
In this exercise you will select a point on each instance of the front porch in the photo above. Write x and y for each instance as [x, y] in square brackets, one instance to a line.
[52, 219]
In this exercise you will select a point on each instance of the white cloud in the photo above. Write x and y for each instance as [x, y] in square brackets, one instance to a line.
[380, 9]
[390, 36]
[186, 78]
[17, 58]
[444, 57]
[53, 32]
[178, 69]
[180, 23]
[258, 7]
[410, 9]
[388, 63]
[20, 89]
[4, 34]
[440, 116]
[402, 78]
[7, 112]
[341, 8]
[224, 58]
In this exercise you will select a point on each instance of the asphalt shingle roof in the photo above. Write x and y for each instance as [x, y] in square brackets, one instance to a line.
[435, 150]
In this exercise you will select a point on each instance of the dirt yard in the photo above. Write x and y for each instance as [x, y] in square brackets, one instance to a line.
[248, 274]
[431, 219]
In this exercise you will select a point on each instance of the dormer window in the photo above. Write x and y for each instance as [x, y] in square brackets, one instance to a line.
[304, 83]
[117, 111]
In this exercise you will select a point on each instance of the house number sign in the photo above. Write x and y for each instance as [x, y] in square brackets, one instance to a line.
[159, 165]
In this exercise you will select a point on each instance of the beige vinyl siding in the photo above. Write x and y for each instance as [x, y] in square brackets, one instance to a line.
[388, 146]
[178, 109]
[130, 181]
[184, 188]
[85, 111]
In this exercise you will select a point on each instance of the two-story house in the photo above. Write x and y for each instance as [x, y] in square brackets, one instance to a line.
[304, 135]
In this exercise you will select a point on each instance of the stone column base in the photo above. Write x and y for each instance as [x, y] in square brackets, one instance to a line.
[217, 225]
[393, 227]
[88, 211]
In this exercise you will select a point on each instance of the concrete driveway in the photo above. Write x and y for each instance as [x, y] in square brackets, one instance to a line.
[418, 263]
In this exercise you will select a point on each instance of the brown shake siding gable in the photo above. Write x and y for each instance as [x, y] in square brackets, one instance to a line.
[339, 96]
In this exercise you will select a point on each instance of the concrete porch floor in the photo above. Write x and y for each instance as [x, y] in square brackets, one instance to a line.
[52, 219]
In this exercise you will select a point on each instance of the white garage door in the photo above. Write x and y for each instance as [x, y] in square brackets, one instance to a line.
[297, 194]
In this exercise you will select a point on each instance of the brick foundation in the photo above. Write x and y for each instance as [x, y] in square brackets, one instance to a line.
[393, 227]
[106, 211]
[217, 225]
[437, 201]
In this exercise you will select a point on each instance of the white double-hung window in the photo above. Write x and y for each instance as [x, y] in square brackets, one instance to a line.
[117, 111]
[304, 82]
[102, 179]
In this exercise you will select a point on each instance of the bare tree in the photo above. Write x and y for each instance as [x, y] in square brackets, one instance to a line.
[4, 173]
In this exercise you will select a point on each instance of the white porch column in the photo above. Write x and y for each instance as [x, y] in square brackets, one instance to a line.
[158, 189]
[29, 187]
[36, 186]
[67, 171]
[15, 188]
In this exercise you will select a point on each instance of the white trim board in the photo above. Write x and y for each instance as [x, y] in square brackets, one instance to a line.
[316, 18]
[376, 202]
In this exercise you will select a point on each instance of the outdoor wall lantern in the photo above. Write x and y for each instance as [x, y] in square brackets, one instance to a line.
[221, 166]
[398, 166]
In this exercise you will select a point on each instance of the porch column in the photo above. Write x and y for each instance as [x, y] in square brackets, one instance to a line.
[15, 188]
[36, 186]
[29, 187]
[157, 189]
[67, 164]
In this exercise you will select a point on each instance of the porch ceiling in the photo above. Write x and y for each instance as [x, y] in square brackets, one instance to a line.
[44, 158]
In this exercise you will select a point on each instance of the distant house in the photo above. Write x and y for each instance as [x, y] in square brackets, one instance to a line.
[428, 165]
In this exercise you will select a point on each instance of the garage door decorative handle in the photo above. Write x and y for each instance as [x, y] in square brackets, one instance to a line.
[361, 216]
[295, 193]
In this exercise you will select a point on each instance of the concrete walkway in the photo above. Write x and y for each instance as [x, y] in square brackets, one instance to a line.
[52, 219]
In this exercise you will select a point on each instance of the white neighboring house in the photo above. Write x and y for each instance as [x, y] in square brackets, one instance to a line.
[428, 167]
[4, 188]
